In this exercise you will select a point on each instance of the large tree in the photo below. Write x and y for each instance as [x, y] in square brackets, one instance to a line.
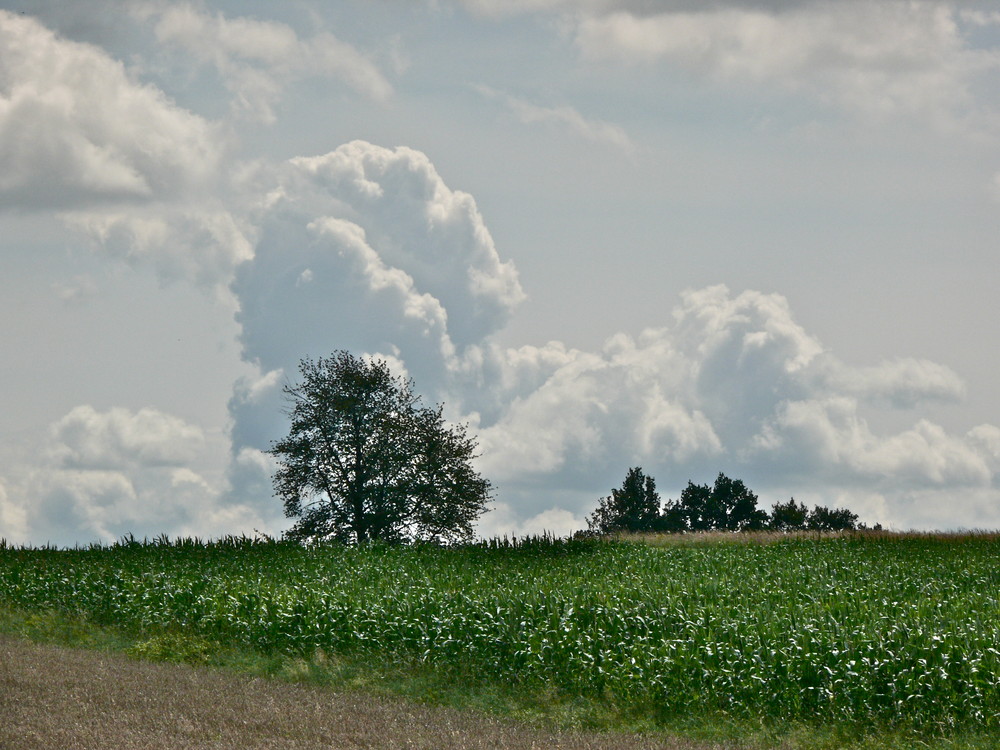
[634, 507]
[363, 459]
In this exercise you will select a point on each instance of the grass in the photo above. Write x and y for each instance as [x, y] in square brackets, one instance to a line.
[873, 640]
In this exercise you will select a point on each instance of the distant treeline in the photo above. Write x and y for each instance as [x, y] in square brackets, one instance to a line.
[729, 505]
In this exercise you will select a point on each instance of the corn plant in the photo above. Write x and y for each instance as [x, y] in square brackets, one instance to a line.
[865, 631]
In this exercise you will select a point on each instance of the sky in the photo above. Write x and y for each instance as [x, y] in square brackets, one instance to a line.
[756, 237]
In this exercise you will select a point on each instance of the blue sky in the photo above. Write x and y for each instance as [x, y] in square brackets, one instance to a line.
[743, 236]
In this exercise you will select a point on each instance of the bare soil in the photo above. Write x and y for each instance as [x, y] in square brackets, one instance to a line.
[52, 697]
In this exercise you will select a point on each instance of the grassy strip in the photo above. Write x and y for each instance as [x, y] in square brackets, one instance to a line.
[434, 686]
[715, 538]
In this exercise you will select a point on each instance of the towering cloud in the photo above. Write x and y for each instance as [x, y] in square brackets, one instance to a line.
[368, 247]
[364, 248]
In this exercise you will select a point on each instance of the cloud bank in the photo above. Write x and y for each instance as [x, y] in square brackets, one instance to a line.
[366, 248]
[875, 60]
[105, 474]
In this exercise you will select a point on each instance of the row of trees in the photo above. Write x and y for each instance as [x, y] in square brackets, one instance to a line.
[364, 460]
[728, 505]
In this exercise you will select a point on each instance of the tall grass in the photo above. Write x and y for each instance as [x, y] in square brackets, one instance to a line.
[878, 630]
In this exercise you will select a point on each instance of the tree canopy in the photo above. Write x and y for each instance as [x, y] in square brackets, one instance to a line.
[634, 507]
[789, 516]
[363, 460]
[727, 505]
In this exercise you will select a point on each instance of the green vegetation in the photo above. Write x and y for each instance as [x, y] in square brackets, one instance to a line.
[857, 636]
[728, 505]
[364, 461]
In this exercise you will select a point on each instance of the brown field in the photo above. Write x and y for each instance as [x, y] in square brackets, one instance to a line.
[52, 697]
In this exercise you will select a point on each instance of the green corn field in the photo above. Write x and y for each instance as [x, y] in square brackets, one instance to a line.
[861, 630]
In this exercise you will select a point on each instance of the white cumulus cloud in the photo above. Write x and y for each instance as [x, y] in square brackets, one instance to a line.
[178, 242]
[88, 439]
[77, 130]
[900, 382]
[104, 474]
[394, 259]
[828, 439]
[366, 249]
[734, 384]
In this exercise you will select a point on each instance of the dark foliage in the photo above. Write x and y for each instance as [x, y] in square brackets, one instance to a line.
[789, 516]
[364, 461]
[836, 519]
[729, 505]
[634, 507]
[792, 516]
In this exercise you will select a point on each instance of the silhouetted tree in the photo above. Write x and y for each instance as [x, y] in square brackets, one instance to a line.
[674, 517]
[729, 505]
[837, 519]
[634, 507]
[790, 516]
[363, 460]
[742, 513]
[695, 509]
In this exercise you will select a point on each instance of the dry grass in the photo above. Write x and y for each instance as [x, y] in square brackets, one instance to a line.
[770, 537]
[53, 697]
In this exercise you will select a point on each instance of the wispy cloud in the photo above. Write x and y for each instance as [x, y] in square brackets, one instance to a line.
[256, 59]
[564, 117]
